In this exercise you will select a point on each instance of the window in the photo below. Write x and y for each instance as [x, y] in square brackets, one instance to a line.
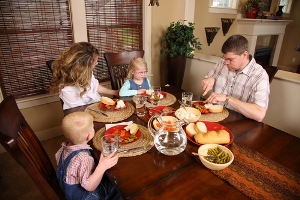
[223, 6]
[114, 26]
[287, 5]
[32, 32]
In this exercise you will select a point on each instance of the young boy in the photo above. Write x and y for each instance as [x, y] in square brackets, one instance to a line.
[77, 173]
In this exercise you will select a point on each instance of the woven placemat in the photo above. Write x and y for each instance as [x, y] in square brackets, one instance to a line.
[257, 176]
[112, 116]
[215, 117]
[167, 101]
[146, 141]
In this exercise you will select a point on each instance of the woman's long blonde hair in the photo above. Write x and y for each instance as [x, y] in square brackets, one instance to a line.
[74, 67]
[136, 64]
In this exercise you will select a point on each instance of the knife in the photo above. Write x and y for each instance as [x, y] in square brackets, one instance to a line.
[132, 150]
[99, 112]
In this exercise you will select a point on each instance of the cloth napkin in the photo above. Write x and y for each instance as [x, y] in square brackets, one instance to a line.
[108, 126]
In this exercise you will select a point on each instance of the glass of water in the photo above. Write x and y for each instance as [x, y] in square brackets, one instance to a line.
[155, 95]
[110, 144]
[187, 98]
[140, 104]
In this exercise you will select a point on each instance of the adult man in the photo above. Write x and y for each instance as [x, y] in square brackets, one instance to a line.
[238, 82]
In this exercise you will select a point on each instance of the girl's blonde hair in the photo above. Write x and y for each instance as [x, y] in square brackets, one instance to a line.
[74, 67]
[76, 127]
[136, 64]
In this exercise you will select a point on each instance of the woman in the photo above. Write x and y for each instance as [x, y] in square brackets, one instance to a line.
[73, 77]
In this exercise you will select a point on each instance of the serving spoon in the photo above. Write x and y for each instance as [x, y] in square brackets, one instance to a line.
[208, 157]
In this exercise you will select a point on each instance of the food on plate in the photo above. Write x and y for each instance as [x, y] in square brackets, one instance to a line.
[221, 156]
[133, 128]
[213, 137]
[190, 129]
[120, 104]
[168, 109]
[148, 92]
[200, 127]
[216, 108]
[108, 101]
[127, 133]
[201, 108]
[189, 113]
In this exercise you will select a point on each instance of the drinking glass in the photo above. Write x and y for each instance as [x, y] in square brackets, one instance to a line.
[140, 104]
[187, 98]
[110, 144]
[155, 95]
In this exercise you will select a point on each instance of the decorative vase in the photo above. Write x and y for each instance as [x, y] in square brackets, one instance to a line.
[175, 70]
[279, 12]
[252, 14]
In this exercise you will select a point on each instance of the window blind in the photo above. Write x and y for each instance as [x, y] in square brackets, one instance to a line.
[31, 32]
[114, 26]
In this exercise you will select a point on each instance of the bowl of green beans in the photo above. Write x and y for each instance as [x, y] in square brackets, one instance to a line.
[223, 156]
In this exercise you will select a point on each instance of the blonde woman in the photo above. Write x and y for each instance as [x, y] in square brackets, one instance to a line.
[137, 82]
[73, 77]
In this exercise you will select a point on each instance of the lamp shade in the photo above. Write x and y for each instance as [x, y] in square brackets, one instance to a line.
[297, 48]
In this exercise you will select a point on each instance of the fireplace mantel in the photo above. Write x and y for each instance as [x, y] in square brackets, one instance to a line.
[251, 28]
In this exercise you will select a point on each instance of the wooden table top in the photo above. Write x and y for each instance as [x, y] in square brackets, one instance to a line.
[156, 176]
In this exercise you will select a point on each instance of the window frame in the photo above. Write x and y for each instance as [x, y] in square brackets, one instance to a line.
[226, 10]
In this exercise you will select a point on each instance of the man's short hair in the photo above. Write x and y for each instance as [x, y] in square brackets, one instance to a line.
[236, 44]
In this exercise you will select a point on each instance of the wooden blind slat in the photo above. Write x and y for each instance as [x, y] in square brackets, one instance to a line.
[114, 26]
[31, 32]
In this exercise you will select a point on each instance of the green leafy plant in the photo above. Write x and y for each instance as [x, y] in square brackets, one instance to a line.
[251, 4]
[179, 39]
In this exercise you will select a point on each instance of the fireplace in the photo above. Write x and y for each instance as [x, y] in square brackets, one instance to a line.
[263, 55]
[256, 30]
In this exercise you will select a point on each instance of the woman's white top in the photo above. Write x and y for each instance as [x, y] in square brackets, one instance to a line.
[71, 95]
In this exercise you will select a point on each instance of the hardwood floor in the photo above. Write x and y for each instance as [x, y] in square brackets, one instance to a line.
[14, 181]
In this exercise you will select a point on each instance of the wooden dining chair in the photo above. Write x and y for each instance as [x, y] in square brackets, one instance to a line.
[22, 144]
[49, 65]
[271, 71]
[117, 64]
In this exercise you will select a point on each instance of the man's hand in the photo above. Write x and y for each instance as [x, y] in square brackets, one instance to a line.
[207, 85]
[215, 98]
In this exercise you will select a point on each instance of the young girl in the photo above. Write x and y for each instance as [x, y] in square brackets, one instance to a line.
[136, 82]
[73, 77]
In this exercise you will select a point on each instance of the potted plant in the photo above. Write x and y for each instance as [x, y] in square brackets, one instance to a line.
[253, 9]
[177, 44]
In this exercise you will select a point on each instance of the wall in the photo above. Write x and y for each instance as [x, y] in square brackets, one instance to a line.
[162, 16]
[291, 40]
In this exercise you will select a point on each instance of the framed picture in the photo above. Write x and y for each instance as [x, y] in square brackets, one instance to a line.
[267, 5]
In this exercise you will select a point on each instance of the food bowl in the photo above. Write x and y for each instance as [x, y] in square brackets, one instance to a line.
[203, 151]
[190, 114]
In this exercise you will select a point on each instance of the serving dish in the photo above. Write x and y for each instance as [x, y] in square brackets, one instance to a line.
[213, 166]
[189, 114]
[211, 126]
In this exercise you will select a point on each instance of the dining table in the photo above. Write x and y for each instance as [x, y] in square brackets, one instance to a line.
[266, 163]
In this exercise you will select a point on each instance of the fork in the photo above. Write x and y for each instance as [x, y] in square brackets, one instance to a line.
[99, 112]
[182, 104]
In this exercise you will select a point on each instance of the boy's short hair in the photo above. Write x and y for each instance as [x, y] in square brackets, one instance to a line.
[76, 126]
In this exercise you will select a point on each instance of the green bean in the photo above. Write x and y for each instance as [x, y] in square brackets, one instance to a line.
[221, 156]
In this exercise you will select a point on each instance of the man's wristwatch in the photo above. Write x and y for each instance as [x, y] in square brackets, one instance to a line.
[227, 98]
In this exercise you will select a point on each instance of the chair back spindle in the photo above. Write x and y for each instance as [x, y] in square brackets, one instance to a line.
[117, 64]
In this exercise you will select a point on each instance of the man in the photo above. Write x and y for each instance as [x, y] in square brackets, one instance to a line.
[238, 82]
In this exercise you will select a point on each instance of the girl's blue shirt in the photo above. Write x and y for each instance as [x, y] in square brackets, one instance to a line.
[130, 88]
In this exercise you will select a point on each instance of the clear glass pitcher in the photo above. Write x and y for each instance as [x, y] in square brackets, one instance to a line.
[169, 136]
